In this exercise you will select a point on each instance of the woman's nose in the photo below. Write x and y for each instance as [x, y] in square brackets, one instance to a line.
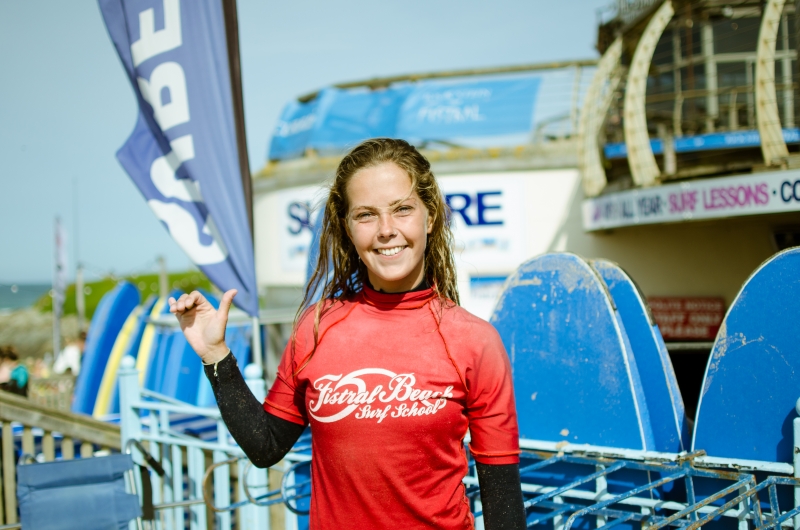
[385, 225]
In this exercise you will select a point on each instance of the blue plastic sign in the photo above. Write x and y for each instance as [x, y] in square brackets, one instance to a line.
[441, 110]
[182, 154]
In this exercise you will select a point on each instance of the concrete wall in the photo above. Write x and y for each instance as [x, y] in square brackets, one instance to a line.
[695, 258]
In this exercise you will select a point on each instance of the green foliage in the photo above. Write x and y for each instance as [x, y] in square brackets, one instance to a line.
[146, 283]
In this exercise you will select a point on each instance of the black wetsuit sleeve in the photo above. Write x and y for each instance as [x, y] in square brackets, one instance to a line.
[501, 497]
[264, 438]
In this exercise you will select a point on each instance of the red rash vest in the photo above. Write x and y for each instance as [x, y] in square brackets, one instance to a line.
[390, 392]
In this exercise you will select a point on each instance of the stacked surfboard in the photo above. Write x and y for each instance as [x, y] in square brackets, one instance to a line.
[167, 364]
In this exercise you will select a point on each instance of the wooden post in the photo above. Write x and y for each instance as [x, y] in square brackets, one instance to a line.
[48, 447]
[87, 450]
[67, 448]
[9, 474]
[27, 441]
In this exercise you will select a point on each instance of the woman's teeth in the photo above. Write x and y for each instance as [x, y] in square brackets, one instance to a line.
[389, 251]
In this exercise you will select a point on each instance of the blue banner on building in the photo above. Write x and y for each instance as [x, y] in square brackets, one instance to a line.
[337, 120]
[293, 134]
[182, 154]
[441, 110]
[348, 117]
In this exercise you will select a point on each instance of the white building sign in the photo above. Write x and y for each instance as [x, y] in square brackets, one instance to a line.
[770, 192]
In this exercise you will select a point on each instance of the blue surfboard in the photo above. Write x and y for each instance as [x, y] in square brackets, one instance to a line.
[133, 347]
[664, 402]
[151, 358]
[109, 317]
[752, 380]
[159, 357]
[575, 378]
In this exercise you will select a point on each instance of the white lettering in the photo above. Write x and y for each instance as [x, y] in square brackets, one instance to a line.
[400, 388]
[183, 229]
[162, 172]
[168, 76]
[152, 42]
[298, 125]
[401, 382]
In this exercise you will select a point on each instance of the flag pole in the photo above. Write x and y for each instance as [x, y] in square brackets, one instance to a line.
[232, 39]
[58, 285]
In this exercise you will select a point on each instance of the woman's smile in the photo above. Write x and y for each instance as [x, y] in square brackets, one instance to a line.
[390, 252]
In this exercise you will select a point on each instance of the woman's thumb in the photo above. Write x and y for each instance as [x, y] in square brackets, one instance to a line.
[225, 303]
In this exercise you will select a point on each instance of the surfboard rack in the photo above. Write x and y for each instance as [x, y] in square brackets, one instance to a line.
[187, 486]
[737, 494]
[586, 321]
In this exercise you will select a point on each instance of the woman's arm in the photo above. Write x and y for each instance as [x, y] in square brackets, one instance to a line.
[501, 497]
[264, 438]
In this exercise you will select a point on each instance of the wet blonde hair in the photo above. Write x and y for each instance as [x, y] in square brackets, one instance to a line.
[340, 274]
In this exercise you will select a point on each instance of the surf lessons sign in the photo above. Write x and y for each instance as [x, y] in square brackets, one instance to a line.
[771, 192]
[182, 153]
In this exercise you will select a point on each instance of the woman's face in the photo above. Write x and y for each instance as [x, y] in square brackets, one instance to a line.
[389, 226]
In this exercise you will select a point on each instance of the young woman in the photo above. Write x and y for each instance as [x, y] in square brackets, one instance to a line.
[386, 368]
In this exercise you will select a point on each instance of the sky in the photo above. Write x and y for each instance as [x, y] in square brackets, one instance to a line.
[66, 105]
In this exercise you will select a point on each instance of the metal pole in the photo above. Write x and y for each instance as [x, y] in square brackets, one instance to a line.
[796, 453]
[130, 428]
[163, 278]
[58, 286]
[80, 298]
[257, 350]
[235, 67]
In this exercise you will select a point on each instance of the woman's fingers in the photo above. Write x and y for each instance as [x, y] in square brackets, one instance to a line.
[186, 302]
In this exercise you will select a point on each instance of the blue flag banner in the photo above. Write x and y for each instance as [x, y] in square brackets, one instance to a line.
[441, 110]
[182, 154]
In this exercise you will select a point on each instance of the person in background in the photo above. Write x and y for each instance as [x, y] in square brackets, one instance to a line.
[70, 357]
[13, 374]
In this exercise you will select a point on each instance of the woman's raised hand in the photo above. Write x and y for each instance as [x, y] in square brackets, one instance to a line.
[202, 325]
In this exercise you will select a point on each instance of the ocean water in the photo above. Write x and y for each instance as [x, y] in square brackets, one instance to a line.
[16, 296]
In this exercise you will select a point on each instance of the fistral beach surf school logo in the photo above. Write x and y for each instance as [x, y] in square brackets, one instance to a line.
[340, 396]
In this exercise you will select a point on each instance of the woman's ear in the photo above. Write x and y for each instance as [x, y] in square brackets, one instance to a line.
[429, 222]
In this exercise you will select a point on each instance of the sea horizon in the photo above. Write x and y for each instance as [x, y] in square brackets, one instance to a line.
[21, 295]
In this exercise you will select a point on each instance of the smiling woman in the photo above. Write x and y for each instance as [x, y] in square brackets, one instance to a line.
[387, 370]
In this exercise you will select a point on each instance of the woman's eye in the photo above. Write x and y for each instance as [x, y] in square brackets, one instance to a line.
[363, 216]
[405, 210]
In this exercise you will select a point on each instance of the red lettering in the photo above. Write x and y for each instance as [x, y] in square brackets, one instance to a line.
[762, 197]
[680, 202]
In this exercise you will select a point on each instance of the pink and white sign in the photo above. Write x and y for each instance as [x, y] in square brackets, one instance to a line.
[759, 193]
